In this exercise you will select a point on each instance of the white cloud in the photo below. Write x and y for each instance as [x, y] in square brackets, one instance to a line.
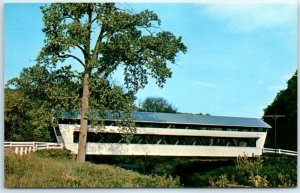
[250, 17]
[204, 84]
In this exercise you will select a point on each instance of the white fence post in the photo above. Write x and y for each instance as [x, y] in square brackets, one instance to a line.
[21, 150]
[16, 150]
[34, 147]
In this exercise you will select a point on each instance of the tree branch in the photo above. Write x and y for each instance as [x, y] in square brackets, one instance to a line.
[73, 18]
[108, 71]
[89, 28]
[93, 20]
[81, 48]
[71, 56]
[97, 46]
[85, 54]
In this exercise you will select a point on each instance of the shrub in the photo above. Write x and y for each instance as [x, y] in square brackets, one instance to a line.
[249, 172]
[268, 171]
[281, 170]
[285, 181]
[55, 153]
[258, 181]
[165, 168]
[247, 167]
[157, 181]
[222, 182]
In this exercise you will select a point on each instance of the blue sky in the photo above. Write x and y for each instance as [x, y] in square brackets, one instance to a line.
[239, 55]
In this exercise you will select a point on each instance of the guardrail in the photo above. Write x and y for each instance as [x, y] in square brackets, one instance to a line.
[21, 148]
[280, 151]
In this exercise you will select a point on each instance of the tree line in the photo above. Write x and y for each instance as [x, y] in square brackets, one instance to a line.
[285, 103]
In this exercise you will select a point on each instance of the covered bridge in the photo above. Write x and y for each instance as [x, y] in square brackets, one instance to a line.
[169, 134]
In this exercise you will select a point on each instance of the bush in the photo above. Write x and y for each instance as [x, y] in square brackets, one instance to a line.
[222, 182]
[55, 153]
[281, 170]
[258, 181]
[209, 178]
[158, 182]
[267, 171]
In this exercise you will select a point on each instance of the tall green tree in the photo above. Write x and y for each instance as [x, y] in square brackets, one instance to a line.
[285, 103]
[156, 104]
[107, 37]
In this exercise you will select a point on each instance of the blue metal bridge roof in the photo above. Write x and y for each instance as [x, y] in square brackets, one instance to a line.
[191, 119]
[199, 119]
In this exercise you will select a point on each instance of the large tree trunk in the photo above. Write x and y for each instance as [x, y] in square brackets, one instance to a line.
[83, 120]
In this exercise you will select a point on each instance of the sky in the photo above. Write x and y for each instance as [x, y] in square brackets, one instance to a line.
[239, 56]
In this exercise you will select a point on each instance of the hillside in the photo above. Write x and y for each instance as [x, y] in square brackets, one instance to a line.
[32, 171]
[57, 169]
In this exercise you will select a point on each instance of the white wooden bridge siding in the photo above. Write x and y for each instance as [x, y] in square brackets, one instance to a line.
[166, 150]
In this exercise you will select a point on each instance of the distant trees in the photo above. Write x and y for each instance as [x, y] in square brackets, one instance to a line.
[156, 104]
[285, 103]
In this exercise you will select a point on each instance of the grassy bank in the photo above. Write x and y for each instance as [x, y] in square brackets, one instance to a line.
[268, 171]
[51, 169]
[32, 171]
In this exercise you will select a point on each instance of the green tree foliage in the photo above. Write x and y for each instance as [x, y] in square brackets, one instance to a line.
[54, 89]
[285, 103]
[156, 104]
[26, 119]
[100, 37]
[38, 95]
[34, 98]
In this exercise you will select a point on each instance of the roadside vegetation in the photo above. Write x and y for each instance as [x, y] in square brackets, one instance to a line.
[269, 170]
[56, 169]
[274, 171]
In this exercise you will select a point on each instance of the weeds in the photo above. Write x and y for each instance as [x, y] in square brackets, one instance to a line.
[55, 153]
[31, 171]
[279, 169]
